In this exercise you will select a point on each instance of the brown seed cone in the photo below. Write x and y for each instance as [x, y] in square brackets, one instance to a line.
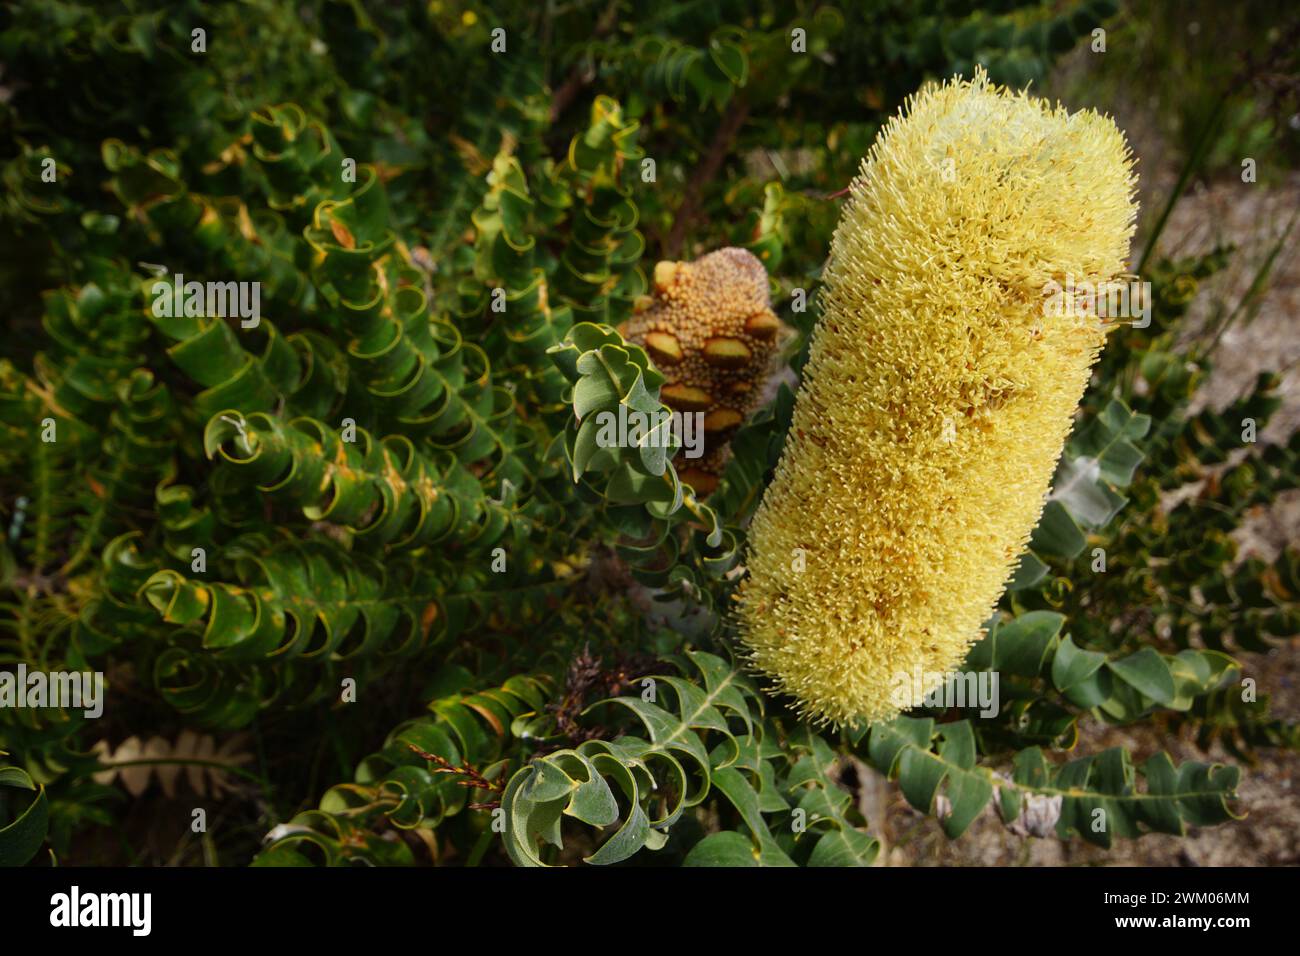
[710, 329]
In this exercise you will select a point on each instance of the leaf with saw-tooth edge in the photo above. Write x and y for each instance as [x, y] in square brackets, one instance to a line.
[923, 756]
[674, 766]
[136, 764]
[1120, 689]
[1098, 461]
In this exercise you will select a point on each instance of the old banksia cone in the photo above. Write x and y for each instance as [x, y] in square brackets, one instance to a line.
[938, 394]
[710, 328]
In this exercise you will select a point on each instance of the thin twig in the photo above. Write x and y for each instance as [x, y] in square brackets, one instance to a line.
[474, 779]
[581, 75]
[1252, 295]
[732, 120]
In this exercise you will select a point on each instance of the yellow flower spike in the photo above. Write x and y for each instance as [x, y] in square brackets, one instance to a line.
[937, 397]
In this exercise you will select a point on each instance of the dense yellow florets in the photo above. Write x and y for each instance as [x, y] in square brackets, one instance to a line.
[937, 397]
[710, 328]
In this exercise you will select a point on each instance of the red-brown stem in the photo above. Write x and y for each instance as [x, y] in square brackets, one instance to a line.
[732, 120]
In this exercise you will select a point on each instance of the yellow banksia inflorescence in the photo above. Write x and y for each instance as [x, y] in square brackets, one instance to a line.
[710, 329]
[937, 397]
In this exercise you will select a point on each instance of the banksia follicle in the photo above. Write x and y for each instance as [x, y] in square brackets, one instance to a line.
[710, 329]
[937, 397]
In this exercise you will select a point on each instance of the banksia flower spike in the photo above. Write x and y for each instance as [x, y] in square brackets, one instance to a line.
[938, 394]
[710, 329]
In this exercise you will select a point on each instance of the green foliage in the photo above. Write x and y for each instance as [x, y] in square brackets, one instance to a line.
[22, 828]
[406, 784]
[1097, 796]
[372, 526]
[659, 778]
